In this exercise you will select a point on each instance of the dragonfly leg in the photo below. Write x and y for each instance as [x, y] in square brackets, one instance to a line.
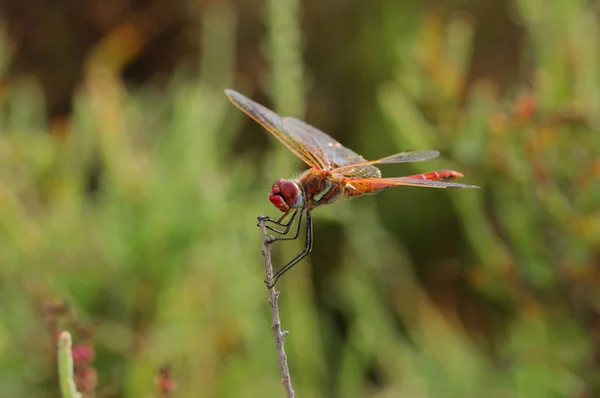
[287, 226]
[279, 221]
[307, 248]
[287, 229]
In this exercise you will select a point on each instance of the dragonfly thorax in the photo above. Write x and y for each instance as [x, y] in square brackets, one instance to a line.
[286, 194]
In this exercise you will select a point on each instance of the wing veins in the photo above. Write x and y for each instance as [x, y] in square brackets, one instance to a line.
[256, 112]
[402, 157]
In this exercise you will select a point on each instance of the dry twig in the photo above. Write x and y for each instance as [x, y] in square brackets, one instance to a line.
[273, 296]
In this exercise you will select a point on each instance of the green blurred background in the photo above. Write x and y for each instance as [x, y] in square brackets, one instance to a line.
[130, 186]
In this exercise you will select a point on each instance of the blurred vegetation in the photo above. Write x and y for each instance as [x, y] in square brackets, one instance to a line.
[128, 217]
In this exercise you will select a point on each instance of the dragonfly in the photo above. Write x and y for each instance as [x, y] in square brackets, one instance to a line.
[335, 173]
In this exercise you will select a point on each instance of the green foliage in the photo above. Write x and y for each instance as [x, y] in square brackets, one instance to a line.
[139, 216]
[65, 367]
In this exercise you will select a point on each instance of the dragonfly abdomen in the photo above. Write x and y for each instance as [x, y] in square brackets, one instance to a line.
[442, 175]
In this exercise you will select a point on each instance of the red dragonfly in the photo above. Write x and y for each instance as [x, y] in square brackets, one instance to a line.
[335, 173]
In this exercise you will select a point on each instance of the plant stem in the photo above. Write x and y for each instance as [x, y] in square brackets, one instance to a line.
[273, 297]
[65, 367]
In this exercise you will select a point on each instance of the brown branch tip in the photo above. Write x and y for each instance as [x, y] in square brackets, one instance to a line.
[276, 326]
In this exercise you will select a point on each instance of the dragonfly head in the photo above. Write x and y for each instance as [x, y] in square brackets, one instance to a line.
[285, 194]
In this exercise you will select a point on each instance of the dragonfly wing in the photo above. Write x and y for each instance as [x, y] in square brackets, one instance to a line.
[335, 153]
[402, 157]
[275, 125]
[410, 156]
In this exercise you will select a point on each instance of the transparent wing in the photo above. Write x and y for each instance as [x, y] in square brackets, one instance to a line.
[316, 148]
[273, 123]
[335, 153]
[402, 157]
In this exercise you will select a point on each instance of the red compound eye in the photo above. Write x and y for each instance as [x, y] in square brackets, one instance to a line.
[284, 194]
[289, 191]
